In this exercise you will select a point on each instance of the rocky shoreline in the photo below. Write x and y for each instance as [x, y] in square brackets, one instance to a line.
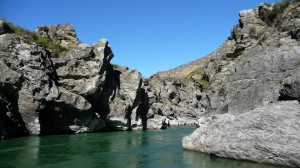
[46, 93]
[244, 97]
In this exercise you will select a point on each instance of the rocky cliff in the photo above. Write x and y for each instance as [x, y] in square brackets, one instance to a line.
[253, 80]
[43, 91]
[244, 96]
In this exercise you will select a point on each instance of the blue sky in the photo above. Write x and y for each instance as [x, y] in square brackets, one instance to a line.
[149, 35]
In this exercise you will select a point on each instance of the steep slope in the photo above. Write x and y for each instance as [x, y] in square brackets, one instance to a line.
[188, 70]
[249, 76]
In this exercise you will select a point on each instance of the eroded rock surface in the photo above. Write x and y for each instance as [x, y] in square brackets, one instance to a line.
[269, 134]
[252, 100]
[62, 34]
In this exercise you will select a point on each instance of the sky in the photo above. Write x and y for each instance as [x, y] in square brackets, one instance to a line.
[148, 35]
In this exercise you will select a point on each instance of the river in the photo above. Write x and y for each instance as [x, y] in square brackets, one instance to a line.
[152, 148]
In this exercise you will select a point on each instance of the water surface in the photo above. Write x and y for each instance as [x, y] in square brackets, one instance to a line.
[152, 148]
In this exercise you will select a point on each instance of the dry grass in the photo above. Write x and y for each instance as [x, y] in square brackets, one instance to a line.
[57, 49]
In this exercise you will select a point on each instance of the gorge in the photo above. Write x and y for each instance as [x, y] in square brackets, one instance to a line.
[244, 97]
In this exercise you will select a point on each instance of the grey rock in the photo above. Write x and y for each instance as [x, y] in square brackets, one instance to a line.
[291, 88]
[178, 100]
[128, 102]
[268, 134]
[42, 94]
[255, 76]
[62, 34]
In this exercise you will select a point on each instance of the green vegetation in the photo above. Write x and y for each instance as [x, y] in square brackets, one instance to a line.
[280, 82]
[297, 64]
[253, 32]
[57, 49]
[277, 11]
[122, 97]
[203, 82]
[197, 71]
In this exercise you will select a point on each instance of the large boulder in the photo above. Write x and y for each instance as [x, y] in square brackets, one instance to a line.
[268, 134]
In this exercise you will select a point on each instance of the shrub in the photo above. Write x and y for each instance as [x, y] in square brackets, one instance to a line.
[279, 7]
[276, 12]
[297, 64]
[203, 82]
[253, 32]
[57, 49]
[18, 30]
[122, 97]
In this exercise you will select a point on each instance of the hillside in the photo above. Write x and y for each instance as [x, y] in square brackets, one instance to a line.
[252, 96]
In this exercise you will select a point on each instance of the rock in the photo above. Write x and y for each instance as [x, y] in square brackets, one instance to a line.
[268, 134]
[62, 34]
[172, 99]
[128, 101]
[81, 92]
[291, 88]
[255, 76]
[46, 95]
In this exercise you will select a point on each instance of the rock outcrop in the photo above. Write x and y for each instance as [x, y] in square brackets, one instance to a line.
[244, 96]
[268, 134]
[174, 101]
[62, 34]
[41, 93]
[250, 77]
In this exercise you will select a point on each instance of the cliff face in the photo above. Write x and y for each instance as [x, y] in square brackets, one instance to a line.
[46, 92]
[42, 93]
[254, 78]
[254, 66]
[258, 65]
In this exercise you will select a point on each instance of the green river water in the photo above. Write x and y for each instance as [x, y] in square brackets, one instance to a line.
[152, 148]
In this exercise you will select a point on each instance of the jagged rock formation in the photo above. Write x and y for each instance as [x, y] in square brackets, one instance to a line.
[175, 101]
[41, 93]
[249, 76]
[62, 34]
[44, 93]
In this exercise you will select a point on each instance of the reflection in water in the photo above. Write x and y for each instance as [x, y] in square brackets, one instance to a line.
[207, 161]
[159, 148]
[28, 156]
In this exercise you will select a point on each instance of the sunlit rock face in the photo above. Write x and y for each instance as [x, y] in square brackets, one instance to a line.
[62, 34]
[43, 93]
[252, 100]
[268, 134]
